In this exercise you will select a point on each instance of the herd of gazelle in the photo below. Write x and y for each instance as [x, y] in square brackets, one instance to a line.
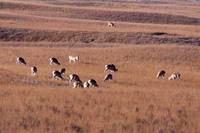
[161, 73]
[174, 76]
[73, 78]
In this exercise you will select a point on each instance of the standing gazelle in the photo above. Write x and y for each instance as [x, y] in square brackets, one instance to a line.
[111, 67]
[57, 75]
[108, 77]
[73, 58]
[34, 70]
[54, 60]
[20, 60]
[110, 24]
[161, 74]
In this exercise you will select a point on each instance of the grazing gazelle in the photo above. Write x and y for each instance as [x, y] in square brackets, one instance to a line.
[108, 77]
[161, 74]
[78, 83]
[86, 85]
[111, 67]
[93, 83]
[74, 77]
[53, 60]
[75, 80]
[175, 76]
[90, 83]
[62, 71]
[20, 60]
[34, 70]
[57, 75]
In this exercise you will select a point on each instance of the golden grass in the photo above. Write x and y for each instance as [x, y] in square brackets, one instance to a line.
[134, 102]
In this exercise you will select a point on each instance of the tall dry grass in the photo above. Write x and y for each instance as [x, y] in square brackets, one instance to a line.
[134, 102]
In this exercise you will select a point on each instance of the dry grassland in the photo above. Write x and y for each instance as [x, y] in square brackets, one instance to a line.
[150, 37]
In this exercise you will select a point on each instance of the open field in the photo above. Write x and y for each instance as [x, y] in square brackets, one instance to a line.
[148, 36]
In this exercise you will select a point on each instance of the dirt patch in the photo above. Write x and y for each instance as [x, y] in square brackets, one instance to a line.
[122, 16]
[87, 38]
